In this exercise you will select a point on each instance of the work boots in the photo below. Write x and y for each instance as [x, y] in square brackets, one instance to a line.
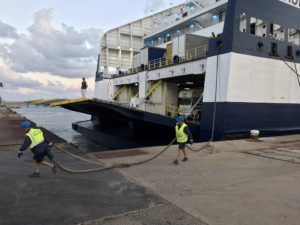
[35, 175]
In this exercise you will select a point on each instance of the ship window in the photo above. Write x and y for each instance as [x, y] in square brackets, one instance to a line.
[274, 49]
[289, 52]
[167, 38]
[294, 36]
[258, 27]
[277, 32]
[243, 22]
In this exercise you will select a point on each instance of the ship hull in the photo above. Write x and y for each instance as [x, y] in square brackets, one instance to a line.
[236, 120]
[119, 127]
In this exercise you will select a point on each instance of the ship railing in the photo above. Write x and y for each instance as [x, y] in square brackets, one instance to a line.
[174, 18]
[196, 53]
[171, 111]
[157, 63]
[189, 55]
[200, 52]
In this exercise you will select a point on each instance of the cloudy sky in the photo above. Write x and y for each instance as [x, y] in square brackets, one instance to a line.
[47, 46]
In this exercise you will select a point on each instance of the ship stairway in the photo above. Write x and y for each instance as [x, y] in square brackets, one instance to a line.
[194, 114]
[197, 104]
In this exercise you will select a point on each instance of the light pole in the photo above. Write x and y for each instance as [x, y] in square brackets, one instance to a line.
[1, 86]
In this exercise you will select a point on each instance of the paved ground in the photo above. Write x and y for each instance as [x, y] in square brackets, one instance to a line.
[72, 199]
[228, 187]
[240, 183]
[63, 199]
[172, 216]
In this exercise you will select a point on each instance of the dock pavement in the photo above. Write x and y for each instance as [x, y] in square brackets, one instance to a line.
[237, 182]
[72, 198]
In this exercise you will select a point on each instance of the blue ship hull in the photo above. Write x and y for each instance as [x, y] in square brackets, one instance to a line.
[118, 127]
[235, 120]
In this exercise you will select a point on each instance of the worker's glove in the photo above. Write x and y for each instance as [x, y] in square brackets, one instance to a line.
[50, 144]
[191, 141]
[20, 154]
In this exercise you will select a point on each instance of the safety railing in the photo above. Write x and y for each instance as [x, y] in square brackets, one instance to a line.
[190, 55]
[171, 110]
[174, 18]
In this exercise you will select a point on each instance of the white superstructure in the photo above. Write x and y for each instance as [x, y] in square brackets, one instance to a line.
[147, 61]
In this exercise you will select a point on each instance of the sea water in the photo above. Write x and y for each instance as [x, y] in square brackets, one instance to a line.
[59, 121]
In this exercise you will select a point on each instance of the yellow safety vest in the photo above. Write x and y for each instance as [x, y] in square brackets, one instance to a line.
[36, 136]
[180, 135]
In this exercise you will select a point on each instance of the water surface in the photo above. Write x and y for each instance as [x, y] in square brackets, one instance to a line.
[59, 121]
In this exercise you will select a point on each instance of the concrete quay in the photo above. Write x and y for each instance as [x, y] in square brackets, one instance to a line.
[238, 183]
[65, 198]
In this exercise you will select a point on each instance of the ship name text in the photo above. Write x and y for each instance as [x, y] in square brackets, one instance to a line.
[295, 3]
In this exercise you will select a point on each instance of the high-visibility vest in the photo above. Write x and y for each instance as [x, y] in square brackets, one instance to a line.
[36, 136]
[180, 135]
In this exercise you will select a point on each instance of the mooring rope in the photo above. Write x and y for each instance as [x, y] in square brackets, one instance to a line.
[103, 168]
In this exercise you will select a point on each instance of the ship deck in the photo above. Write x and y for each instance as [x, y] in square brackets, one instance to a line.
[240, 182]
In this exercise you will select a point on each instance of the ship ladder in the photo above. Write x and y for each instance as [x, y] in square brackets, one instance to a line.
[152, 89]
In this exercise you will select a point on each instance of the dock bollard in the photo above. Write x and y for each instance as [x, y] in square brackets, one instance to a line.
[254, 135]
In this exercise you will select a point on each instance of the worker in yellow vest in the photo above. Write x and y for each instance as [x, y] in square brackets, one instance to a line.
[183, 135]
[40, 147]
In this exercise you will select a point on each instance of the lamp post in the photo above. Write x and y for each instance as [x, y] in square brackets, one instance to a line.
[1, 86]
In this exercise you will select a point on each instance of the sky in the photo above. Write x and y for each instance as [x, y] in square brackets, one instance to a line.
[47, 46]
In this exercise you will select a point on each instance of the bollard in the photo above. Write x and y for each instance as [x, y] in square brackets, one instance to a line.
[254, 135]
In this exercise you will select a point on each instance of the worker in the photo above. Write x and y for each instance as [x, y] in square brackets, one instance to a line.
[183, 135]
[83, 88]
[40, 147]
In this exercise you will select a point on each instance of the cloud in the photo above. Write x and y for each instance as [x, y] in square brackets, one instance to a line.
[153, 5]
[3, 50]
[18, 87]
[13, 81]
[7, 31]
[64, 52]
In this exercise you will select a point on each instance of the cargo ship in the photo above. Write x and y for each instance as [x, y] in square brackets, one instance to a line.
[229, 66]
